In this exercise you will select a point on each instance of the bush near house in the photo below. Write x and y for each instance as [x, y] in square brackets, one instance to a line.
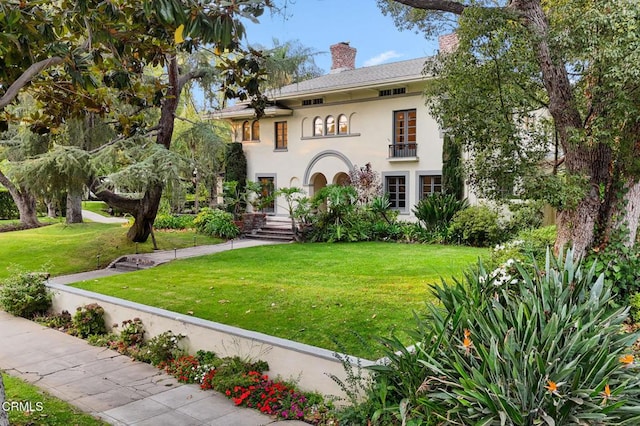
[216, 223]
[476, 226]
[173, 221]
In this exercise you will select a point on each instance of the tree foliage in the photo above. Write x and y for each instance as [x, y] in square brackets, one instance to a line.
[528, 75]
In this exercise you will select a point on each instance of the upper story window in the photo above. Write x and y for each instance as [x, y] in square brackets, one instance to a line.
[404, 127]
[330, 126]
[246, 131]
[251, 131]
[392, 92]
[255, 131]
[317, 126]
[343, 124]
[281, 135]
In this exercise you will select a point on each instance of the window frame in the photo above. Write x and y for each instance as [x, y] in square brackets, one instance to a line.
[434, 186]
[271, 209]
[281, 138]
[329, 125]
[402, 129]
[397, 201]
[246, 131]
[255, 130]
[318, 126]
[342, 119]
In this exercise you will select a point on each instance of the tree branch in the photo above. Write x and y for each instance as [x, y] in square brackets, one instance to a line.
[442, 5]
[26, 77]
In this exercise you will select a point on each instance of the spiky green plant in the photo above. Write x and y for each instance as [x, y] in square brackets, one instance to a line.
[519, 348]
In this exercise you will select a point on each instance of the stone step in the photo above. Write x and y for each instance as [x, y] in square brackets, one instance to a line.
[132, 263]
[272, 237]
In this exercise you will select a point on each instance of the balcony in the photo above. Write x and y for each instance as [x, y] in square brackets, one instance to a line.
[403, 152]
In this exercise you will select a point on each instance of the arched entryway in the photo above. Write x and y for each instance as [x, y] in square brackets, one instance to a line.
[341, 179]
[318, 181]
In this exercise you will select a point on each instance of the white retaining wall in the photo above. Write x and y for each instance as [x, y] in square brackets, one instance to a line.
[308, 365]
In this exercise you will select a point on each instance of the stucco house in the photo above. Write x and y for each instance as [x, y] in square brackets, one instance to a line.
[319, 129]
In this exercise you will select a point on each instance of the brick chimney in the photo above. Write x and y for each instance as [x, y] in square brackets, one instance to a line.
[343, 57]
[448, 43]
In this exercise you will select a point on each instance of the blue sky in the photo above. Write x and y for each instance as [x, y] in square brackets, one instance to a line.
[318, 24]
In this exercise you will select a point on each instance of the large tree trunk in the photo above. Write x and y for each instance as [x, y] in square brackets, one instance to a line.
[145, 209]
[25, 201]
[74, 206]
[145, 215]
[4, 416]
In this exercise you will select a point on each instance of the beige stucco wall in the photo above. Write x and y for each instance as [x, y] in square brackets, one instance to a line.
[307, 365]
[370, 134]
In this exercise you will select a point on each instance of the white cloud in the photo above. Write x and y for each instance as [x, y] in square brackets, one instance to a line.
[382, 58]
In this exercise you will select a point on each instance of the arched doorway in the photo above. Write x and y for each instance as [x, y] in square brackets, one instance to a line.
[319, 181]
[341, 179]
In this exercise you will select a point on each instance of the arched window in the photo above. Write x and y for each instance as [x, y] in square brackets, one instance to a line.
[317, 126]
[330, 125]
[343, 125]
[246, 131]
[255, 131]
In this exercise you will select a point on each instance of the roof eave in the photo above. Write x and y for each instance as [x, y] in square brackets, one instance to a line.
[336, 89]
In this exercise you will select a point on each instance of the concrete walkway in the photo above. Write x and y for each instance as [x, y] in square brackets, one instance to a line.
[109, 385]
[95, 217]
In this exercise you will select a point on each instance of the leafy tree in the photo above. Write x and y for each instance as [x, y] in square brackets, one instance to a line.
[72, 57]
[579, 61]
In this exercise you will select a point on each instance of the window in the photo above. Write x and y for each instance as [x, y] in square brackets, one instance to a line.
[396, 187]
[317, 126]
[330, 126]
[404, 128]
[395, 91]
[343, 125]
[281, 135]
[255, 131]
[267, 189]
[315, 101]
[251, 131]
[430, 184]
[246, 131]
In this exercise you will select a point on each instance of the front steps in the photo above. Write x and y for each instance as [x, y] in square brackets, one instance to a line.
[131, 263]
[276, 229]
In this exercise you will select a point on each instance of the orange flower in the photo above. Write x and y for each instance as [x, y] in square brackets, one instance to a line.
[606, 394]
[627, 359]
[467, 344]
[551, 386]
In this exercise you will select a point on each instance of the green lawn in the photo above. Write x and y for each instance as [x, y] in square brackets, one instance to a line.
[311, 293]
[63, 249]
[99, 207]
[46, 410]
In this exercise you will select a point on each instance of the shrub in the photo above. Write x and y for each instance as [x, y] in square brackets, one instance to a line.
[130, 340]
[535, 348]
[475, 226]
[436, 210]
[25, 294]
[526, 245]
[162, 348]
[8, 209]
[216, 223]
[620, 265]
[525, 216]
[88, 320]
[168, 221]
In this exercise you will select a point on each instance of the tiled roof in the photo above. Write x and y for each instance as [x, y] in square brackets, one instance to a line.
[410, 70]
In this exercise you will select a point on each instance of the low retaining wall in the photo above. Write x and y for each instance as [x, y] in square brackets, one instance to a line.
[308, 365]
